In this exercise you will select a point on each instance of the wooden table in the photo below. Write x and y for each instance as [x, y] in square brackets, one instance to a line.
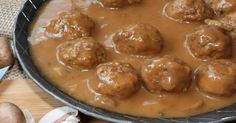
[27, 95]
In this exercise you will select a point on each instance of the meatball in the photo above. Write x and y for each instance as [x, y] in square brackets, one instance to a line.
[209, 42]
[231, 19]
[227, 22]
[118, 80]
[166, 74]
[83, 52]
[222, 7]
[117, 3]
[139, 39]
[188, 10]
[217, 77]
[69, 26]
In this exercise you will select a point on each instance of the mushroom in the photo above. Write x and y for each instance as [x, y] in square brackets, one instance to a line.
[61, 115]
[6, 55]
[10, 113]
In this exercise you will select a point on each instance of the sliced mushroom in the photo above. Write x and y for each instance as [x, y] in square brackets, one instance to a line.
[61, 115]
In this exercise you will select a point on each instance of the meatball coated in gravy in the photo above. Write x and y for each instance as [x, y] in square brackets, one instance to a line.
[222, 7]
[139, 39]
[217, 77]
[83, 53]
[117, 3]
[209, 42]
[118, 80]
[229, 21]
[188, 10]
[226, 21]
[69, 26]
[166, 74]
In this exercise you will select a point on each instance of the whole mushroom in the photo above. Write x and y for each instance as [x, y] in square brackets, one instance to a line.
[6, 56]
[10, 113]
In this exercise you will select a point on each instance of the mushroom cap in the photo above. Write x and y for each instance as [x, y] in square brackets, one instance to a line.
[6, 55]
[10, 113]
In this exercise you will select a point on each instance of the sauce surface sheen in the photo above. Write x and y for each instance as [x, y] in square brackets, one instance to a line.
[79, 83]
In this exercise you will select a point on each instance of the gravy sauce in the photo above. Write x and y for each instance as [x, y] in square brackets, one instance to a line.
[79, 84]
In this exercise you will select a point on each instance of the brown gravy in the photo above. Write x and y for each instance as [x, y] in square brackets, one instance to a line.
[79, 83]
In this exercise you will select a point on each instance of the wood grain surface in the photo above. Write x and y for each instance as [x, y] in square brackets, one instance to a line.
[27, 95]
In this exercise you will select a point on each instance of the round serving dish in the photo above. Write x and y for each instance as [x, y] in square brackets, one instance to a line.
[21, 47]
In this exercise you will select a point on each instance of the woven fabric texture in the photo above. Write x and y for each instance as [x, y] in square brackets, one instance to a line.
[8, 13]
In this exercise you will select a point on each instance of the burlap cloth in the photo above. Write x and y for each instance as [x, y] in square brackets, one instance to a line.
[8, 13]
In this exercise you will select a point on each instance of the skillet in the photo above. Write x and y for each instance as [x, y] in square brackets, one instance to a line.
[21, 48]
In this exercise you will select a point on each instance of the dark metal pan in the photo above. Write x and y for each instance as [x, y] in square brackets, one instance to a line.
[21, 47]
